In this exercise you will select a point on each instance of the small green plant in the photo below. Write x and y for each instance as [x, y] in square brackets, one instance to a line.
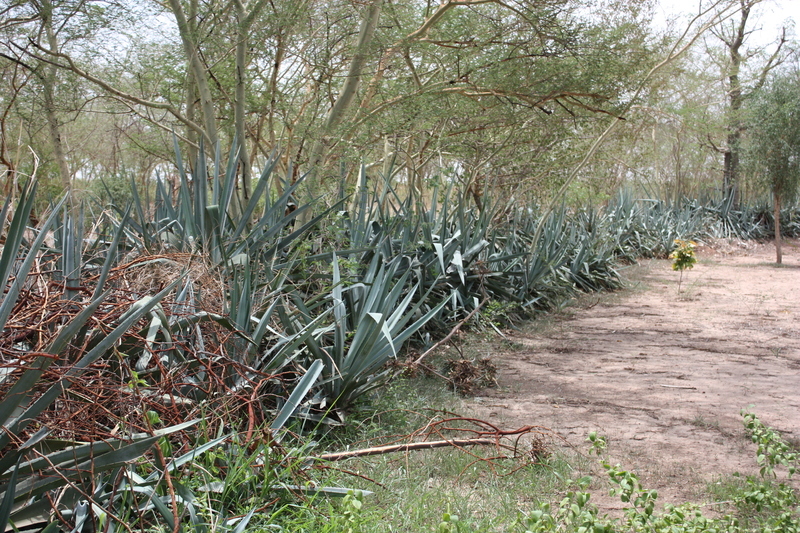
[351, 510]
[760, 504]
[683, 257]
[772, 449]
[450, 523]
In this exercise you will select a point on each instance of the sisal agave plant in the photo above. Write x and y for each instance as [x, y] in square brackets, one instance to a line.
[32, 465]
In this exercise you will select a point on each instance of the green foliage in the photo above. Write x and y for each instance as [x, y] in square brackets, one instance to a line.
[772, 449]
[773, 141]
[683, 256]
[649, 227]
[114, 189]
[207, 215]
[372, 317]
[352, 504]
[451, 524]
[777, 507]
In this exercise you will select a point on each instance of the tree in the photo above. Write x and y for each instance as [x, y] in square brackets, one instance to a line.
[733, 34]
[506, 89]
[65, 122]
[774, 142]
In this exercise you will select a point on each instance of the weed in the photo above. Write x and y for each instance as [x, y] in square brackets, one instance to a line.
[760, 504]
[500, 314]
[772, 449]
[702, 422]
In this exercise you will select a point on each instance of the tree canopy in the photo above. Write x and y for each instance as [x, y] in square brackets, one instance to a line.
[501, 93]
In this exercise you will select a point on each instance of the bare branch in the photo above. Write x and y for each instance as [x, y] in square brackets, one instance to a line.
[150, 120]
[774, 61]
[18, 61]
[71, 66]
[414, 446]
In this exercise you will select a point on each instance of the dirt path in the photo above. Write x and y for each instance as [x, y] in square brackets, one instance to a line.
[664, 376]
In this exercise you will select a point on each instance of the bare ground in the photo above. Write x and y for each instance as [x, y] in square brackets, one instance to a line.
[665, 375]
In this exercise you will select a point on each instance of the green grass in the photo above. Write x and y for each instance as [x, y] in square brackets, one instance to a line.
[446, 490]
[418, 488]
[414, 490]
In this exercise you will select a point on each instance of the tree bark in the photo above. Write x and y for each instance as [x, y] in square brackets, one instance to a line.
[198, 71]
[191, 133]
[737, 96]
[730, 171]
[244, 21]
[191, 97]
[48, 80]
[348, 91]
[238, 111]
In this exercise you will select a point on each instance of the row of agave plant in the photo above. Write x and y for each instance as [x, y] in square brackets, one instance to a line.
[202, 322]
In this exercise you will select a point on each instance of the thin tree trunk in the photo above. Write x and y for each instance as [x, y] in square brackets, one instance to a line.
[48, 86]
[198, 70]
[191, 95]
[737, 95]
[348, 91]
[777, 216]
[280, 51]
[244, 22]
[238, 113]
[191, 133]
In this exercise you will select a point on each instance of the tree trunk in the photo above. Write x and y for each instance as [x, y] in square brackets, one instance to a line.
[48, 89]
[348, 91]
[238, 113]
[192, 97]
[737, 96]
[730, 172]
[191, 133]
[244, 22]
[777, 216]
[198, 71]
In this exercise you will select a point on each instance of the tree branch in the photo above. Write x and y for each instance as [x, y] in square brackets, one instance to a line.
[414, 446]
[773, 62]
[157, 123]
[113, 90]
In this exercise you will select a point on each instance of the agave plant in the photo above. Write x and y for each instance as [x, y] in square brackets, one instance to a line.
[207, 216]
[102, 482]
[372, 318]
[258, 343]
[33, 465]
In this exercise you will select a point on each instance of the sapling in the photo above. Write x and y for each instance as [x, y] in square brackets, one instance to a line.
[683, 257]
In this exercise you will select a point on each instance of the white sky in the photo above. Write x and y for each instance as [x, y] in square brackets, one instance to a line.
[766, 18]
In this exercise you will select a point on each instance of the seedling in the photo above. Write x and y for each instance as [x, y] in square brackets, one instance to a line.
[683, 257]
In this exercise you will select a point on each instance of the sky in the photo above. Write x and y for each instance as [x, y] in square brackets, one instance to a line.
[766, 18]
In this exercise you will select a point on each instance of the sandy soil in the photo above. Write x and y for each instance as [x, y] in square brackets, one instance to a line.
[665, 375]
